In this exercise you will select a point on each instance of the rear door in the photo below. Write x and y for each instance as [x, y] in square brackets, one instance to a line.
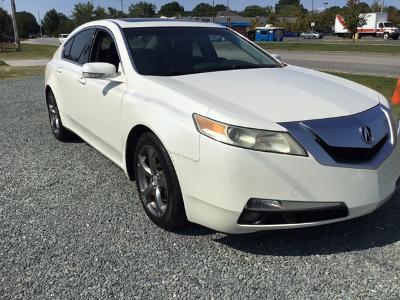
[75, 54]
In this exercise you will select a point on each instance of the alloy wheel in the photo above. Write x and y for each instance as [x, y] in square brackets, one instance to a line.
[152, 181]
[54, 114]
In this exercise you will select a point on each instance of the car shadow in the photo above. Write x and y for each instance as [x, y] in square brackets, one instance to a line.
[378, 229]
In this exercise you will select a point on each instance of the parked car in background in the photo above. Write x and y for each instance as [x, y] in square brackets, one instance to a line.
[311, 35]
[62, 37]
[169, 103]
[291, 34]
[6, 39]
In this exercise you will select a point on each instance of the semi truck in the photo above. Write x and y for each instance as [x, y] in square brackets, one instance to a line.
[377, 24]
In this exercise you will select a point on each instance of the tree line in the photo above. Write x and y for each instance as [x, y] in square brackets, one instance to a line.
[289, 14]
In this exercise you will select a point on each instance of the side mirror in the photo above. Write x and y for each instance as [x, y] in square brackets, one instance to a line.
[277, 57]
[99, 70]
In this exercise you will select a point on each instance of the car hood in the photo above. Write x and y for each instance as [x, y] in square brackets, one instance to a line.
[255, 97]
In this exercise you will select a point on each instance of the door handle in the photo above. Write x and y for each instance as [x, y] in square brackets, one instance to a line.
[59, 69]
[82, 80]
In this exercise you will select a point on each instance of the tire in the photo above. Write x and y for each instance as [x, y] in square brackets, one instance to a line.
[59, 131]
[157, 183]
[386, 36]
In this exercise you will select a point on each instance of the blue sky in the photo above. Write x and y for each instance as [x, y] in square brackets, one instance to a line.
[65, 6]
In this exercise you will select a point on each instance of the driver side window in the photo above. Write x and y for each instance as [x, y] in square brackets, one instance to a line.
[105, 49]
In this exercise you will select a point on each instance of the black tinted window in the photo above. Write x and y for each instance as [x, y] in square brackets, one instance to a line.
[67, 48]
[188, 50]
[80, 49]
[105, 50]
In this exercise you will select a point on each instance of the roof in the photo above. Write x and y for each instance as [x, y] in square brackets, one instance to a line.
[161, 22]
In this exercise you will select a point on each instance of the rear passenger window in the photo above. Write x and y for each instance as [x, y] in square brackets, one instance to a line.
[67, 48]
[80, 49]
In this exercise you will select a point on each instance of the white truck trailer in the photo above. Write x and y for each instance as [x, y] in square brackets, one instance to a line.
[377, 25]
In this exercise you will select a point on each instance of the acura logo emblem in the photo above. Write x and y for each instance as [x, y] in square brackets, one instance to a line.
[366, 134]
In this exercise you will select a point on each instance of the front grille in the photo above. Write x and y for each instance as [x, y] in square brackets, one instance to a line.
[352, 155]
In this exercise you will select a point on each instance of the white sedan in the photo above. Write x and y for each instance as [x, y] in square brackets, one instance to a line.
[311, 35]
[62, 37]
[216, 131]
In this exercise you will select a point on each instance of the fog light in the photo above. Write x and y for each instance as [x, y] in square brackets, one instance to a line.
[264, 204]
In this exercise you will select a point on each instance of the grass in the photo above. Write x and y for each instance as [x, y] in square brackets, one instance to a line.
[7, 72]
[28, 51]
[2, 63]
[346, 47]
[383, 85]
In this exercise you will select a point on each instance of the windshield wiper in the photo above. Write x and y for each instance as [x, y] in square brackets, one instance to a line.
[241, 67]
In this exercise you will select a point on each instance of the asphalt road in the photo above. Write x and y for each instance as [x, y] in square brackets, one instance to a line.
[43, 41]
[372, 64]
[71, 226]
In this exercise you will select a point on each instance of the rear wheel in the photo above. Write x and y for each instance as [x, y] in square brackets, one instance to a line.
[158, 184]
[59, 131]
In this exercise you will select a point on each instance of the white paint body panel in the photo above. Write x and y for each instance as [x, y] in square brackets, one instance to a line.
[217, 179]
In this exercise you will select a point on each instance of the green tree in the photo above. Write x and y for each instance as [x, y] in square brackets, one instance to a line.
[326, 19]
[203, 10]
[83, 13]
[100, 13]
[220, 7]
[27, 24]
[282, 3]
[394, 14]
[115, 13]
[256, 11]
[65, 26]
[172, 9]
[51, 22]
[362, 7]
[376, 6]
[142, 9]
[5, 22]
[353, 19]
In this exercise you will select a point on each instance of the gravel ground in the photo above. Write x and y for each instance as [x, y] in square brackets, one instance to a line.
[71, 226]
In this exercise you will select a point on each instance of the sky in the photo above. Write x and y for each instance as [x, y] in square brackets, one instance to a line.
[39, 7]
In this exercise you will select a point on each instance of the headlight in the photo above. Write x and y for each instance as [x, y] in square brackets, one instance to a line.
[260, 140]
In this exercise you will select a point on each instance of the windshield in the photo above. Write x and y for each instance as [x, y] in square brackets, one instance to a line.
[170, 51]
[388, 24]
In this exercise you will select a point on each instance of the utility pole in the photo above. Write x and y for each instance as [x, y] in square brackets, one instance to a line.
[312, 6]
[213, 18]
[228, 5]
[383, 6]
[122, 5]
[14, 20]
[40, 25]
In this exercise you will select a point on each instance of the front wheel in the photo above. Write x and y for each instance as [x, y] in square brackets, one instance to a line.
[158, 184]
[386, 36]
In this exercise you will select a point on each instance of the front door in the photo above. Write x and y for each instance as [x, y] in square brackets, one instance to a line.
[102, 98]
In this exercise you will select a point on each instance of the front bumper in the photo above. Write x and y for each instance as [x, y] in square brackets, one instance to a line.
[217, 188]
[394, 35]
